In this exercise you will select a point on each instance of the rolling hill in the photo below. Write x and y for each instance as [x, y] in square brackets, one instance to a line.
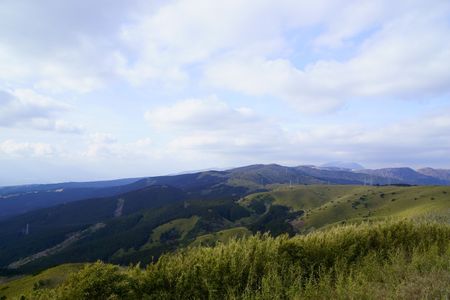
[326, 205]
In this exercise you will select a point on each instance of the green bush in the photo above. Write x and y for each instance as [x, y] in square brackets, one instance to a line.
[95, 281]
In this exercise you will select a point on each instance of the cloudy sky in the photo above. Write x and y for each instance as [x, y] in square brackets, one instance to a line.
[109, 89]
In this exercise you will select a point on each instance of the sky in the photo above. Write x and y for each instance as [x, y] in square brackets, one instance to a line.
[103, 89]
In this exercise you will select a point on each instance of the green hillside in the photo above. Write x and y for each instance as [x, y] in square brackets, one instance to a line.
[374, 202]
[325, 205]
[385, 260]
[180, 227]
[49, 278]
[221, 236]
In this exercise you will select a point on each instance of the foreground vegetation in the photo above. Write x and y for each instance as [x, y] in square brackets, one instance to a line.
[50, 278]
[401, 260]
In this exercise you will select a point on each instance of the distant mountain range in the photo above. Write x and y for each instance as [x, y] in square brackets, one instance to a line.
[129, 220]
[20, 199]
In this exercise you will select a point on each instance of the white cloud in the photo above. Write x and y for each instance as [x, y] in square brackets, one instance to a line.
[213, 126]
[59, 126]
[248, 46]
[27, 102]
[13, 148]
[408, 59]
[210, 113]
[234, 139]
[169, 40]
[278, 78]
[66, 70]
[107, 146]
[102, 138]
[26, 108]
[59, 47]
[353, 18]
[412, 142]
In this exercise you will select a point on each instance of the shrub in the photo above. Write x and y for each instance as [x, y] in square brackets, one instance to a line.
[95, 281]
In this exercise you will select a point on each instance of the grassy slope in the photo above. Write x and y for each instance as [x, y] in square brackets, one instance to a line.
[183, 226]
[380, 202]
[48, 278]
[221, 236]
[325, 205]
[306, 197]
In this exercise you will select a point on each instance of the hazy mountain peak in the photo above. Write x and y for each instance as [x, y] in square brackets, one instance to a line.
[343, 165]
[442, 174]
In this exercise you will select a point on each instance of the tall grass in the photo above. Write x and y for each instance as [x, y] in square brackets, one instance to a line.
[401, 260]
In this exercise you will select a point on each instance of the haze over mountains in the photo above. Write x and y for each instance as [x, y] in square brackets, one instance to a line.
[343, 165]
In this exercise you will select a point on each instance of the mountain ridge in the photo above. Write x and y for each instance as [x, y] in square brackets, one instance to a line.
[21, 199]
